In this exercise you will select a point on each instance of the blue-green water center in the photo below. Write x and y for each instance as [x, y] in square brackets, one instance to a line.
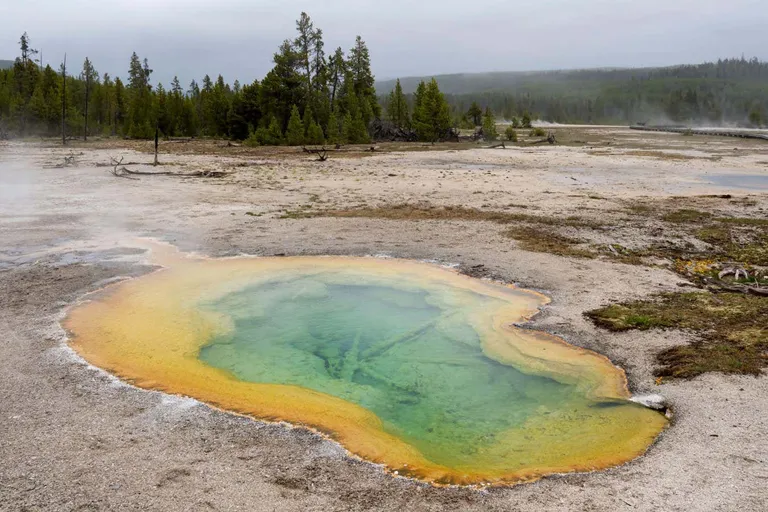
[409, 355]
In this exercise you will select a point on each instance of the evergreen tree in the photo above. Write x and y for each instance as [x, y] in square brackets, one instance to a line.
[284, 86]
[237, 127]
[358, 131]
[432, 115]
[87, 76]
[304, 45]
[526, 120]
[249, 107]
[359, 65]
[334, 134]
[162, 111]
[337, 69]
[475, 114]
[24, 77]
[270, 134]
[140, 119]
[314, 134]
[489, 125]
[397, 107]
[119, 106]
[176, 107]
[307, 118]
[274, 133]
[346, 135]
[295, 132]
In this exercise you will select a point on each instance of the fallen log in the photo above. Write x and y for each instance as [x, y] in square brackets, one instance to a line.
[124, 172]
[717, 285]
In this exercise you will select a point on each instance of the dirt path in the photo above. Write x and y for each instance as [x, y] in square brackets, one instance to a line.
[73, 438]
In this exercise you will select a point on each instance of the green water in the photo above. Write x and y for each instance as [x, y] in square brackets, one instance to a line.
[408, 355]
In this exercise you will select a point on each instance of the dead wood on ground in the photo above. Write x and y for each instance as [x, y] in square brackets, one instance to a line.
[121, 171]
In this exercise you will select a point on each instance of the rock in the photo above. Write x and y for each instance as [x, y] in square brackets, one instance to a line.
[652, 401]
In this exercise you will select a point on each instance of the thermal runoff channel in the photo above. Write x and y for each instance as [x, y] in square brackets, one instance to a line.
[404, 363]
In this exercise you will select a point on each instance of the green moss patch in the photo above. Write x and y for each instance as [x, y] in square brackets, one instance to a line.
[537, 239]
[426, 212]
[732, 330]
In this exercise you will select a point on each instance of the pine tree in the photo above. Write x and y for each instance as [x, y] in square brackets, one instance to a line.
[359, 65]
[284, 86]
[162, 112]
[275, 133]
[307, 118]
[358, 131]
[314, 134]
[140, 122]
[475, 114]
[418, 101]
[337, 69]
[397, 107]
[87, 76]
[309, 52]
[120, 108]
[489, 125]
[526, 121]
[334, 135]
[432, 116]
[295, 132]
[346, 129]
[271, 134]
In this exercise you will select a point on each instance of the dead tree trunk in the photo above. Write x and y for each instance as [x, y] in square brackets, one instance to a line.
[157, 138]
[64, 102]
[87, 93]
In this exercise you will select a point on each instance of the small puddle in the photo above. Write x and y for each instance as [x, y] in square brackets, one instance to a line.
[740, 181]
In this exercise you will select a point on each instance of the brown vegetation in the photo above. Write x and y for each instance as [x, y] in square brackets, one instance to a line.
[731, 329]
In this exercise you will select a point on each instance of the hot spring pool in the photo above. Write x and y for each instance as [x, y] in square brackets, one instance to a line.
[404, 363]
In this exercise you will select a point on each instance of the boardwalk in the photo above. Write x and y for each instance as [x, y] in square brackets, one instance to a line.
[713, 132]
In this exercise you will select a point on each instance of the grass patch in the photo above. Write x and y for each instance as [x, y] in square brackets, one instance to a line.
[715, 235]
[663, 155]
[755, 253]
[536, 239]
[532, 232]
[743, 221]
[687, 216]
[419, 212]
[737, 240]
[733, 333]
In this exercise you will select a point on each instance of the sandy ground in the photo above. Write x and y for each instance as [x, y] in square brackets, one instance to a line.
[74, 438]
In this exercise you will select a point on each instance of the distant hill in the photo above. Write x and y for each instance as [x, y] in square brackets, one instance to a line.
[726, 92]
[6, 64]
[470, 83]
[582, 80]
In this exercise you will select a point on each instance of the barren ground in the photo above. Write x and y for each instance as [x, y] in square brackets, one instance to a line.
[74, 438]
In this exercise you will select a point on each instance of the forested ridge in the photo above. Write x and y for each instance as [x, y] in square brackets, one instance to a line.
[314, 97]
[730, 91]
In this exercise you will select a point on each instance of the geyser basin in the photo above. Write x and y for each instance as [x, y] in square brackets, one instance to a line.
[404, 363]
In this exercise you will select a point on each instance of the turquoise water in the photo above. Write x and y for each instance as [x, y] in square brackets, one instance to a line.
[407, 355]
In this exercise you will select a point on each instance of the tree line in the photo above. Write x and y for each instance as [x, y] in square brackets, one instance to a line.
[307, 97]
[310, 97]
[726, 92]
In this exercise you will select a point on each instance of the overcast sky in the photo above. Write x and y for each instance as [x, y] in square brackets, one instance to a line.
[237, 38]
